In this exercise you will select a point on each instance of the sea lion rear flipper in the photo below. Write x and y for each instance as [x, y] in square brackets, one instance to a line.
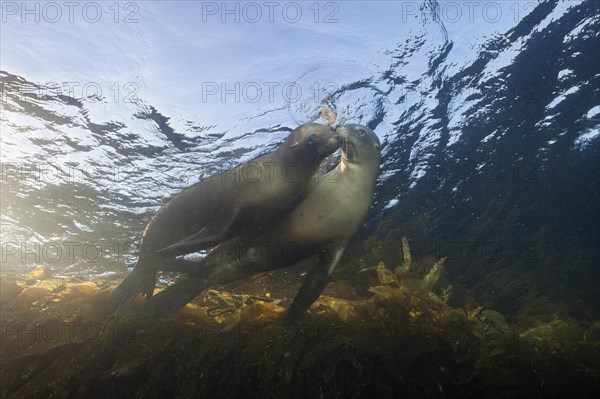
[139, 281]
[315, 280]
[169, 300]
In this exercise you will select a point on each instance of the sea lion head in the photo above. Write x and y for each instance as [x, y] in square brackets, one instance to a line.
[360, 145]
[312, 141]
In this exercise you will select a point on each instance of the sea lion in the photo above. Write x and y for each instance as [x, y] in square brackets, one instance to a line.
[317, 231]
[248, 198]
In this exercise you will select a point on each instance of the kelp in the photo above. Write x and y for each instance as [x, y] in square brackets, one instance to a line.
[59, 339]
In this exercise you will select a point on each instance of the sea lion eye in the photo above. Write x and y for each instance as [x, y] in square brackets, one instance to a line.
[361, 133]
[312, 139]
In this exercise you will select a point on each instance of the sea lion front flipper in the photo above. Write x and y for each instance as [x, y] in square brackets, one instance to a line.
[206, 235]
[315, 281]
[184, 242]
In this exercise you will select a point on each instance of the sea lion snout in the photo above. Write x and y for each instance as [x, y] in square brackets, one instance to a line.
[333, 142]
[353, 132]
[342, 131]
[314, 139]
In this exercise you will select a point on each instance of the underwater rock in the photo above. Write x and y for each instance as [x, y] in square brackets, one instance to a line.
[85, 288]
[39, 273]
[33, 294]
[557, 333]
[28, 297]
[79, 290]
[8, 289]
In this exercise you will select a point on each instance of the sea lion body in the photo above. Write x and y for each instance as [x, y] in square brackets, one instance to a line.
[250, 197]
[319, 228]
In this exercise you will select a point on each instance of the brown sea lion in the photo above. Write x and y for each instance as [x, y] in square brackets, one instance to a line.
[317, 231]
[248, 198]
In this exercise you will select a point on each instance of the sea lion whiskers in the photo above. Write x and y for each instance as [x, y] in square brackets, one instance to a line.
[356, 154]
[351, 152]
[346, 145]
